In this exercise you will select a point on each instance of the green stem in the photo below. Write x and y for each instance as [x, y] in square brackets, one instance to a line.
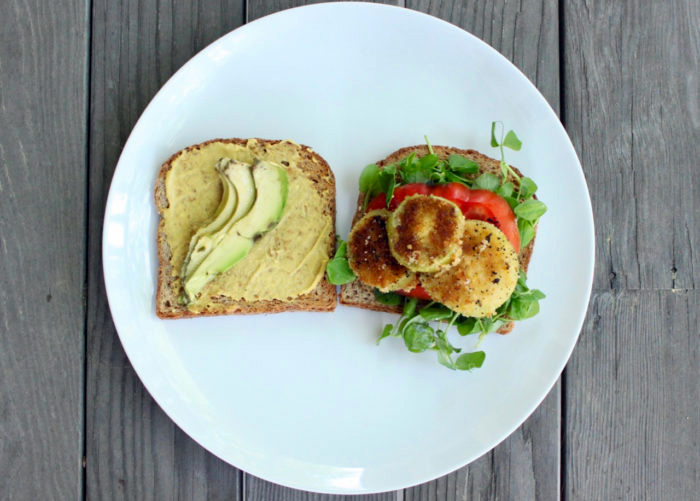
[430, 148]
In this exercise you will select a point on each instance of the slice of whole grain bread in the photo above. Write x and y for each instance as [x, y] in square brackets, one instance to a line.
[321, 298]
[362, 296]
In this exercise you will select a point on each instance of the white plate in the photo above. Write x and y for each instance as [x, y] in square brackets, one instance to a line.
[308, 400]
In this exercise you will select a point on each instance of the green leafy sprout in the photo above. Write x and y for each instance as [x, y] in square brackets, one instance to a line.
[414, 324]
[338, 270]
[509, 141]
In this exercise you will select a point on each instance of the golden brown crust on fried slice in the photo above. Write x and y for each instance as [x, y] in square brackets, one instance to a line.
[322, 298]
[425, 233]
[370, 258]
[483, 279]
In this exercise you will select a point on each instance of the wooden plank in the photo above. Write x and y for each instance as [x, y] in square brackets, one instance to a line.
[633, 401]
[632, 108]
[43, 105]
[526, 464]
[134, 451]
[260, 8]
[256, 489]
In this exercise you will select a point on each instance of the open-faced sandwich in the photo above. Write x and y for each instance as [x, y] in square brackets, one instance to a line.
[246, 226]
[445, 235]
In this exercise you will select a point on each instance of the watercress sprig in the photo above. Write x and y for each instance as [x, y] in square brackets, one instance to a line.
[414, 324]
[526, 208]
[509, 141]
[414, 327]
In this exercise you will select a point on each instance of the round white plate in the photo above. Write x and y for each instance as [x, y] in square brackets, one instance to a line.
[308, 400]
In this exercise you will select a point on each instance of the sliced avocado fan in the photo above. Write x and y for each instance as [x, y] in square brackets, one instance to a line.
[236, 200]
[266, 197]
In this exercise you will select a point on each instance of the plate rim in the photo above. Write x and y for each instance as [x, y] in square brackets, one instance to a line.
[579, 173]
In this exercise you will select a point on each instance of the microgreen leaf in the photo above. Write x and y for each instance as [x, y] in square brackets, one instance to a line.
[412, 171]
[454, 178]
[434, 313]
[527, 188]
[338, 270]
[387, 181]
[513, 202]
[523, 307]
[368, 178]
[469, 361]
[462, 165]
[388, 298]
[487, 181]
[531, 210]
[386, 332]
[439, 177]
[526, 230]
[418, 337]
[369, 183]
[511, 141]
[442, 344]
[409, 307]
[494, 142]
[428, 161]
[505, 190]
[445, 359]
[468, 325]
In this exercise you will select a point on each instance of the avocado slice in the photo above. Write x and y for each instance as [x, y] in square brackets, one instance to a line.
[271, 185]
[236, 200]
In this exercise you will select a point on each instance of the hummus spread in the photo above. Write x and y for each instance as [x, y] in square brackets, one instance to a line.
[284, 263]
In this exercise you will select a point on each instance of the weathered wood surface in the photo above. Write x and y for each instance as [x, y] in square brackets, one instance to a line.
[631, 105]
[260, 8]
[623, 424]
[43, 110]
[632, 413]
[133, 449]
[632, 108]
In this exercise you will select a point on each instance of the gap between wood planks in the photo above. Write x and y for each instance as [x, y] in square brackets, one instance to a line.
[86, 242]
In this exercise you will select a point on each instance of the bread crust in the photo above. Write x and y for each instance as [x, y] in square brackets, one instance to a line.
[322, 298]
[362, 296]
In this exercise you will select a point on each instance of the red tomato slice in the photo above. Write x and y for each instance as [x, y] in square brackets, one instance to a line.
[377, 202]
[417, 292]
[503, 216]
[455, 192]
[401, 192]
[473, 210]
[406, 191]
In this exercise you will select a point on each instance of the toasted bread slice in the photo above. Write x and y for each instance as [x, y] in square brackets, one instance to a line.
[321, 298]
[362, 296]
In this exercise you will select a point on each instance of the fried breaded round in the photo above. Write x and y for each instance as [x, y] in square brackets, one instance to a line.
[425, 233]
[370, 258]
[485, 276]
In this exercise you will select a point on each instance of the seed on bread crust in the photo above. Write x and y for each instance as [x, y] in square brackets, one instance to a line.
[484, 278]
[425, 233]
[370, 258]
